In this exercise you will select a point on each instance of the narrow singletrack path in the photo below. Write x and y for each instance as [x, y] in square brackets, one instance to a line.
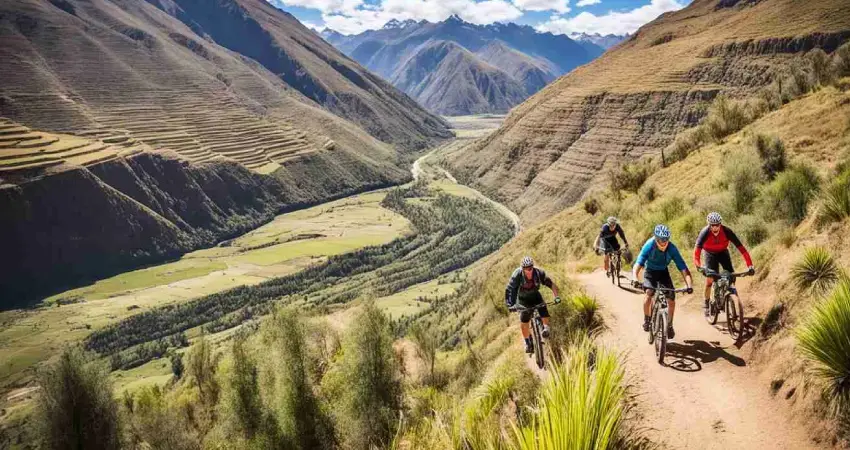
[706, 396]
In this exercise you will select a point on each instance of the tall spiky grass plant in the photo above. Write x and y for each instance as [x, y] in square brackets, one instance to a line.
[581, 405]
[824, 338]
[835, 205]
[816, 271]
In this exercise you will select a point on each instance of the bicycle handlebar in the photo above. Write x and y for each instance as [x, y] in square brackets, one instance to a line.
[716, 275]
[661, 289]
[518, 308]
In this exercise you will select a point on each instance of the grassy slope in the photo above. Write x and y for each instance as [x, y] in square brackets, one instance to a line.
[815, 130]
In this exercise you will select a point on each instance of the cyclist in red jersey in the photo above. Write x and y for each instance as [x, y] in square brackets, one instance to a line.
[715, 239]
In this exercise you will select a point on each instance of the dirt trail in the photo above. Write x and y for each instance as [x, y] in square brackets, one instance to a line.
[707, 396]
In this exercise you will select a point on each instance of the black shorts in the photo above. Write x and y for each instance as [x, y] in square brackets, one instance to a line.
[659, 278]
[714, 261]
[531, 299]
[610, 245]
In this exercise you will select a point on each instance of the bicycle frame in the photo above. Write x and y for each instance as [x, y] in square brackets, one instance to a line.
[659, 320]
[536, 330]
[722, 300]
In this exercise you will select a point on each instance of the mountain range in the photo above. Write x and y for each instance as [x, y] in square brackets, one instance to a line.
[226, 113]
[457, 68]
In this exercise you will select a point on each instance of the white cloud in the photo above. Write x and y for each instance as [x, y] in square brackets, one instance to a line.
[312, 25]
[614, 22]
[362, 19]
[321, 5]
[561, 6]
[581, 3]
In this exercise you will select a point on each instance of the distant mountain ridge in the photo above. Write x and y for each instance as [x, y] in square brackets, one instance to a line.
[499, 65]
[607, 41]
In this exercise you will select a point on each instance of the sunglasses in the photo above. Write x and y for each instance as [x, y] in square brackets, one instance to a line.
[662, 241]
[715, 225]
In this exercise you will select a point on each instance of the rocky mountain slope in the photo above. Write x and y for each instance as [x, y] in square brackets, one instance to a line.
[605, 41]
[228, 87]
[634, 99]
[526, 57]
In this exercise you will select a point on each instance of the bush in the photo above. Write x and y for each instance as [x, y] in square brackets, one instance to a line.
[724, 118]
[75, 407]
[752, 229]
[427, 341]
[159, 424]
[631, 176]
[817, 271]
[822, 69]
[591, 206]
[582, 404]
[841, 61]
[771, 150]
[685, 142]
[650, 193]
[790, 193]
[835, 203]
[824, 339]
[742, 177]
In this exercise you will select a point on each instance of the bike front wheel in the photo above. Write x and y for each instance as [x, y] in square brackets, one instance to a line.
[660, 329]
[713, 312]
[538, 345]
[735, 317]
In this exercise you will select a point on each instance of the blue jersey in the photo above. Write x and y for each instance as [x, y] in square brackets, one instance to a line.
[653, 258]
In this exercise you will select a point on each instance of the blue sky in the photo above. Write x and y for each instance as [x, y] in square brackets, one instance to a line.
[557, 16]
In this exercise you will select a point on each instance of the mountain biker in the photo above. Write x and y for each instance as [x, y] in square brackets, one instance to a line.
[715, 239]
[524, 286]
[607, 241]
[656, 255]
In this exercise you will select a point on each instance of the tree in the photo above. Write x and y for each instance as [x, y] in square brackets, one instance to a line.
[76, 408]
[368, 382]
[427, 343]
[177, 365]
[243, 392]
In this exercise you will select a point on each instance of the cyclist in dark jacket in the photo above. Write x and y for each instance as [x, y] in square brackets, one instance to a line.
[524, 287]
[607, 241]
[714, 239]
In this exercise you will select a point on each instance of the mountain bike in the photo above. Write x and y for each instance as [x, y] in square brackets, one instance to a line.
[659, 320]
[536, 330]
[725, 297]
[615, 263]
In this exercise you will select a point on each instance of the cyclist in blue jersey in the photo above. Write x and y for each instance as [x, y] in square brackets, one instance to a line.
[655, 256]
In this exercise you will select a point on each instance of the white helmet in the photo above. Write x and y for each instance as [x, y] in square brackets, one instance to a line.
[714, 218]
[527, 262]
[612, 220]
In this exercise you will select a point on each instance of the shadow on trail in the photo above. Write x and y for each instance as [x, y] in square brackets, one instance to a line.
[690, 355]
[751, 325]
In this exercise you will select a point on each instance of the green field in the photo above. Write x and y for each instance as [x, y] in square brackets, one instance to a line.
[285, 245]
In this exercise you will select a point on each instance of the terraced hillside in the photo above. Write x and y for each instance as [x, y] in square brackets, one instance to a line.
[25, 153]
[133, 67]
[77, 208]
[633, 100]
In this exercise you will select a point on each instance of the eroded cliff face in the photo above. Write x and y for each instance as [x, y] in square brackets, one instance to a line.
[85, 223]
[632, 101]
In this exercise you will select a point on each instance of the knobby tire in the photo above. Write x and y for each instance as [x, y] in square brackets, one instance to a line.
[734, 317]
[713, 311]
[661, 339]
[538, 344]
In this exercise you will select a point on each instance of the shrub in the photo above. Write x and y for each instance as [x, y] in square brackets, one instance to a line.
[742, 177]
[427, 342]
[821, 66]
[685, 142]
[177, 366]
[631, 176]
[771, 150]
[724, 118]
[242, 391]
[591, 206]
[824, 338]
[752, 229]
[790, 193]
[581, 405]
[650, 193]
[158, 423]
[841, 60]
[76, 408]
[817, 271]
[835, 203]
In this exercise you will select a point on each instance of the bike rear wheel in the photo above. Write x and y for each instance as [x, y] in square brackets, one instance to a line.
[538, 343]
[735, 317]
[660, 329]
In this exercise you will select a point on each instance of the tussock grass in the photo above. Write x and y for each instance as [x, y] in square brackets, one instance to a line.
[581, 406]
[631, 176]
[824, 339]
[816, 271]
[835, 200]
[742, 176]
[724, 118]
